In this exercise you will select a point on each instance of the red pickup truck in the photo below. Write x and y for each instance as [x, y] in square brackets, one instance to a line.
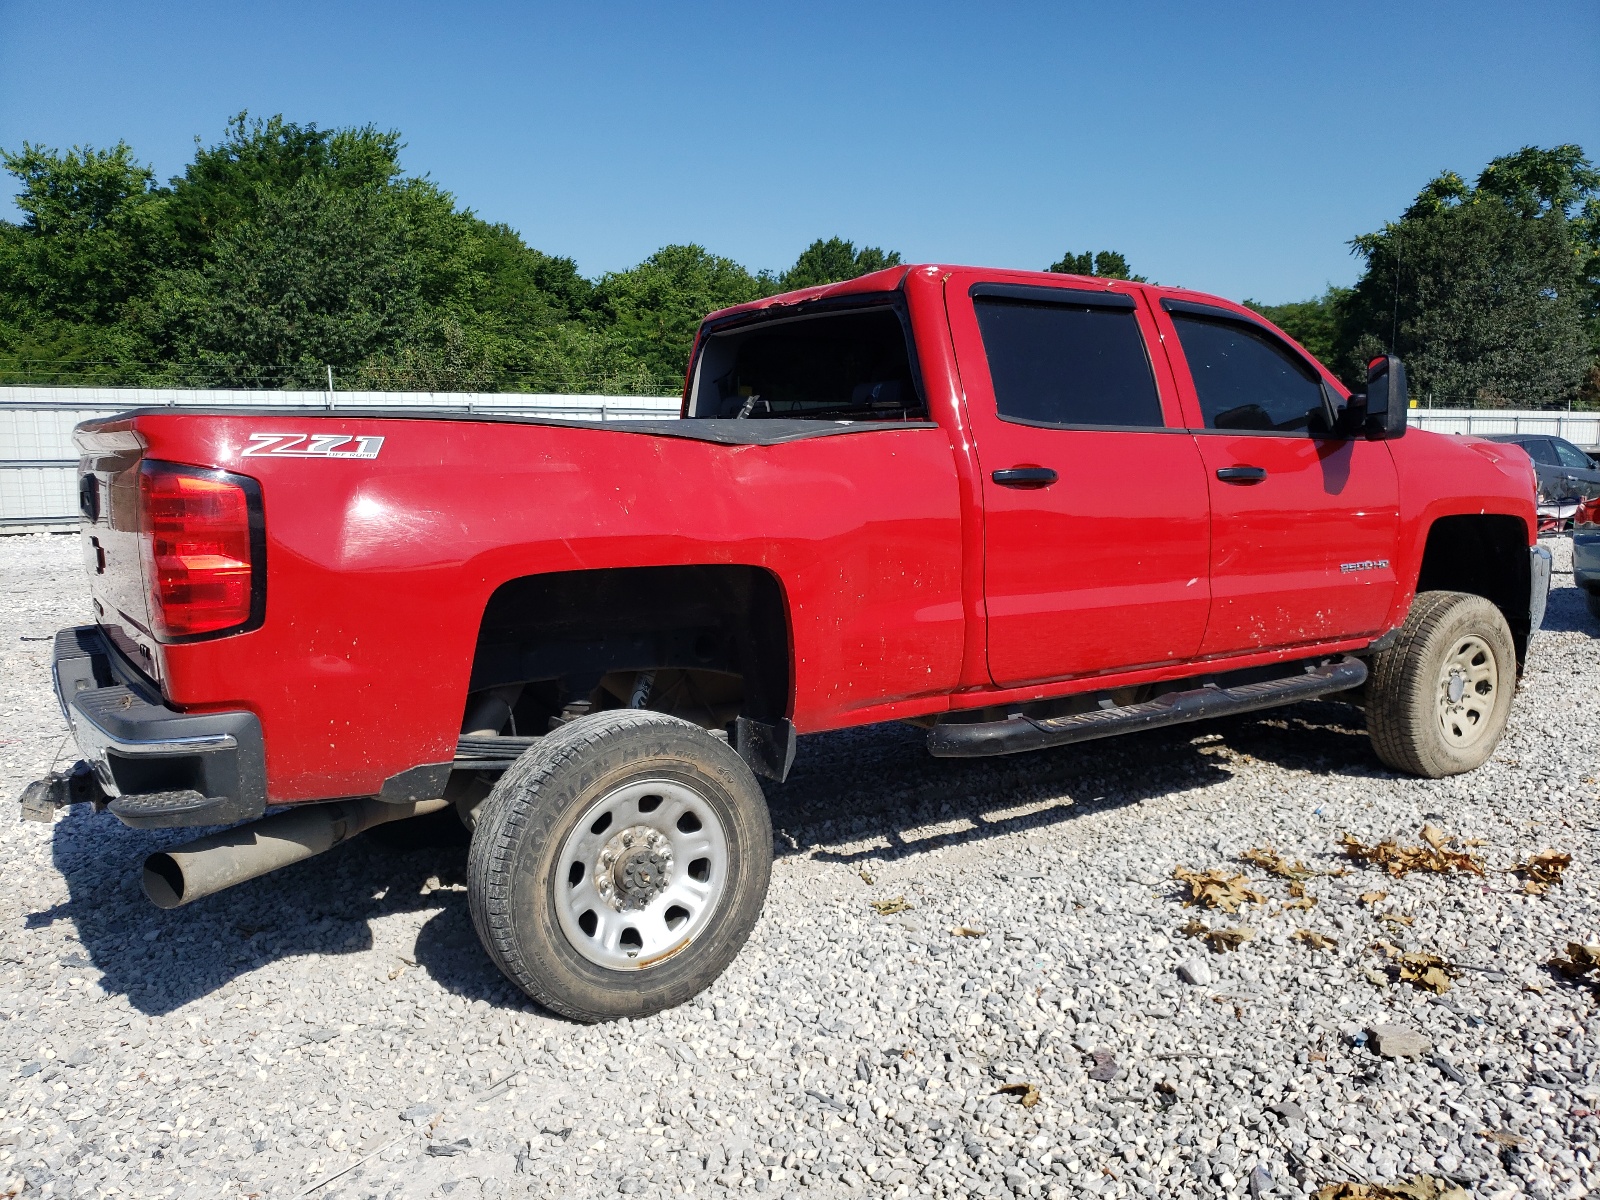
[1021, 510]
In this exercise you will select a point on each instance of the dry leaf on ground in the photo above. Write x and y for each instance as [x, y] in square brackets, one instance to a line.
[1271, 862]
[1400, 860]
[866, 879]
[1317, 941]
[1509, 1140]
[1542, 871]
[1027, 1093]
[1217, 889]
[1302, 899]
[1581, 960]
[1418, 1187]
[967, 931]
[1373, 897]
[1426, 971]
[1435, 837]
[885, 908]
[1390, 918]
[1220, 940]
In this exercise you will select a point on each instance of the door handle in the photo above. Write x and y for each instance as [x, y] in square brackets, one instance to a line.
[1241, 474]
[1025, 477]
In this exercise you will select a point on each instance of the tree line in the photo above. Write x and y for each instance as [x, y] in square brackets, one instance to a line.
[283, 250]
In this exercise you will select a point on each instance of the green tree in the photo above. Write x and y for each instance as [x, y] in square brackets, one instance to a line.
[318, 277]
[92, 231]
[227, 184]
[1482, 288]
[1107, 264]
[655, 308]
[834, 261]
[1315, 324]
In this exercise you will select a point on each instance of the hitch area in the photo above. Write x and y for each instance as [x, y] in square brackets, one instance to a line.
[43, 797]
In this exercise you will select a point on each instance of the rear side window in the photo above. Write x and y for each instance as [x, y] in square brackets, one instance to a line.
[1067, 365]
[1541, 451]
[1248, 381]
[1571, 456]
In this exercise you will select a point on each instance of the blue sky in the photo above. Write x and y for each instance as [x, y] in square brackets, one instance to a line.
[1229, 147]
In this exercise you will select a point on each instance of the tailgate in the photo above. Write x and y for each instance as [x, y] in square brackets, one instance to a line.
[110, 452]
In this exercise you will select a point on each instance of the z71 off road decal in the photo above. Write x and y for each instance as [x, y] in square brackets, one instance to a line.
[313, 445]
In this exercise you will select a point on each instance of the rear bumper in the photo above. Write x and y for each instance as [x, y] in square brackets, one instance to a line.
[160, 767]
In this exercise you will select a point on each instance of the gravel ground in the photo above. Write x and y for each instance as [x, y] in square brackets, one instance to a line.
[340, 1016]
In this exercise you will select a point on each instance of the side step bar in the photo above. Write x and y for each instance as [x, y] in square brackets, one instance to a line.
[1016, 734]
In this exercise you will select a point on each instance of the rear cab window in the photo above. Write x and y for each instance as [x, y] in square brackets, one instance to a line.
[848, 364]
[1066, 359]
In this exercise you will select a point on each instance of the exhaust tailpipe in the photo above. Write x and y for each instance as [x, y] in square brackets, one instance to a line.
[175, 877]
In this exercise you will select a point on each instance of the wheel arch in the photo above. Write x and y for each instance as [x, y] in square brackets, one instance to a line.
[568, 630]
[1484, 554]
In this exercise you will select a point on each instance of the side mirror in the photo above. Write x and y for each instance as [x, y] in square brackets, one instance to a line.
[1386, 399]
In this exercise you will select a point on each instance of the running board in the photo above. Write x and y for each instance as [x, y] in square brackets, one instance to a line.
[1015, 734]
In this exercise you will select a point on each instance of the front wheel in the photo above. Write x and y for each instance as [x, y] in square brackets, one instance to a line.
[619, 865]
[1438, 699]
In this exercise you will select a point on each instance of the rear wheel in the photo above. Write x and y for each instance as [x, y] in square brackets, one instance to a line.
[619, 865]
[1438, 699]
[1593, 599]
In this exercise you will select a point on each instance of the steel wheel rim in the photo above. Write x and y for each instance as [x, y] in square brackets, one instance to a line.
[1469, 686]
[640, 874]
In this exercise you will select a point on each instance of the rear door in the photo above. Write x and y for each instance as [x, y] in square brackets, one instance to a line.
[1578, 471]
[1303, 525]
[1094, 496]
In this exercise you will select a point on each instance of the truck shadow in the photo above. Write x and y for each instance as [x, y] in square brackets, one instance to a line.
[854, 795]
[875, 793]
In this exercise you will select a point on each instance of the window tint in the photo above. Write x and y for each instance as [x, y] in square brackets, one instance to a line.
[1247, 380]
[1541, 451]
[1571, 456]
[852, 365]
[1058, 364]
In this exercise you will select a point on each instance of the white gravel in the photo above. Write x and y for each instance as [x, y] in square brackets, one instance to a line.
[262, 1040]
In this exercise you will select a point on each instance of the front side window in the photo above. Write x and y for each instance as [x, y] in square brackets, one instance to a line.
[1248, 381]
[1571, 456]
[1068, 365]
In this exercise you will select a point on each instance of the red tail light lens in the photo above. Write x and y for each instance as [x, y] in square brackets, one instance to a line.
[202, 541]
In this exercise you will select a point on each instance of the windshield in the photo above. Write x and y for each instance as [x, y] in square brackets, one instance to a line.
[851, 365]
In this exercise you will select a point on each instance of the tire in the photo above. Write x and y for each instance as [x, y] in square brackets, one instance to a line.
[619, 865]
[1592, 598]
[1438, 699]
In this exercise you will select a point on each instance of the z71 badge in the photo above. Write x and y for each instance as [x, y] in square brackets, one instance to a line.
[313, 445]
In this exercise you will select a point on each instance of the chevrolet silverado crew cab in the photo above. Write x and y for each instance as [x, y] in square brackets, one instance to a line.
[1021, 510]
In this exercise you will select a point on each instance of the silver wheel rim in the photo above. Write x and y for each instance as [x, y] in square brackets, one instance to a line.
[641, 874]
[1469, 685]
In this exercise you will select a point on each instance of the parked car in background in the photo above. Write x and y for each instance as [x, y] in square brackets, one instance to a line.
[1586, 552]
[1567, 476]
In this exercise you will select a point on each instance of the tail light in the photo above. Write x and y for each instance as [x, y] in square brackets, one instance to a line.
[203, 545]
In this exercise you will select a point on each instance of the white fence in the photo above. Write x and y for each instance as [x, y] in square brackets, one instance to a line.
[1582, 428]
[38, 476]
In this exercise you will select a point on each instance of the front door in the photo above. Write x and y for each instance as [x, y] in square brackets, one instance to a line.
[1095, 500]
[1303, 525]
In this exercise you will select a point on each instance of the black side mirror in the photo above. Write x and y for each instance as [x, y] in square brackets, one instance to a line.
[1386, 399]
